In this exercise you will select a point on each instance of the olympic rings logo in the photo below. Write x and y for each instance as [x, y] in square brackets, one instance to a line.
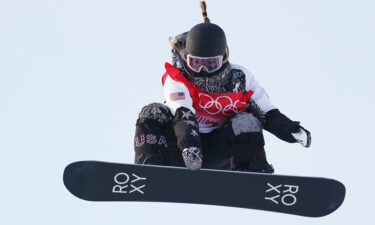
[222, 104]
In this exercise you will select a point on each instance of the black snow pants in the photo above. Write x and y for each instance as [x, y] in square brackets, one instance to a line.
[238, 145]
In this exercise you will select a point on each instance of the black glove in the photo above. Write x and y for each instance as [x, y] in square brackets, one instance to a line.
[286, 129]
[302, 136]
[292, 127]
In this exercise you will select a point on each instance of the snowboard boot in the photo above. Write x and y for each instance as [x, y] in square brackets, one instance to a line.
[256, 165]
[260, 165]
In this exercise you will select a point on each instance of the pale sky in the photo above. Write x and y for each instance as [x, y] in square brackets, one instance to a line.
[74, 75]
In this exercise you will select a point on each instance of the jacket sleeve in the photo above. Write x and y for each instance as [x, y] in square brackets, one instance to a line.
[259, 103]
[261, 106]
[179, 101]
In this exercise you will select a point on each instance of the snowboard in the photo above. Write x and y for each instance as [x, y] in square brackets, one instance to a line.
[104, 181]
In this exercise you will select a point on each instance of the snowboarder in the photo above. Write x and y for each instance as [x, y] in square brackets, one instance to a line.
[214, 111]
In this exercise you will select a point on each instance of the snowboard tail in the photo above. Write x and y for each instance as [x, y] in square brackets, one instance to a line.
[304, 196]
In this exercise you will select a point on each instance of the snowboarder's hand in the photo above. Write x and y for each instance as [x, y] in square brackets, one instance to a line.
[299, 133]
[192, 157]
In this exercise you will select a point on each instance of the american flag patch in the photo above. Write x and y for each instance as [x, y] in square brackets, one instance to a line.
[177, 96]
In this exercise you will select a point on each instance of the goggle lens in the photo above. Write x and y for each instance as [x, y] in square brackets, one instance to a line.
[210, 64]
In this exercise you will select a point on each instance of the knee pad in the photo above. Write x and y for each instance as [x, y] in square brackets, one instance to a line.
[155, 112]
[245, 127]
[245, 123]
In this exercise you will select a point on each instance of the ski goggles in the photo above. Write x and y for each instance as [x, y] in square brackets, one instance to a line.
[210, 64]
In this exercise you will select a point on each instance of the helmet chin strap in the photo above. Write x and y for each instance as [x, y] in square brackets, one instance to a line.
[226, 55]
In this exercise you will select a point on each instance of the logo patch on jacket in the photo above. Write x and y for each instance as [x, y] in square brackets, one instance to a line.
[177, 96]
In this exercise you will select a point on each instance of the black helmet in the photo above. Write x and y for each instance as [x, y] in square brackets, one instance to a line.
[206, 40]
